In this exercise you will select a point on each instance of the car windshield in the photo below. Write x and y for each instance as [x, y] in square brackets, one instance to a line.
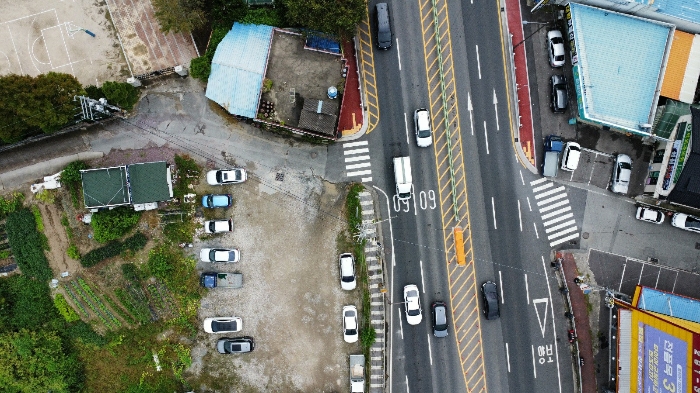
[219, 176]
[348, 278]
[210, 200]
[223, 326]
[384, 37]
[691, 222]
[212, 226]
[557, 40]
[625, 165]
[413, 312]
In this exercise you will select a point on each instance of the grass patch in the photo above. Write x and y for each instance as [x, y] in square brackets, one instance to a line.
[353, 210]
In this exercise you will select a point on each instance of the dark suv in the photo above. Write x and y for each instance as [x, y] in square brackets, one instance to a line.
[560, 95]
[489, 293]
[439, 311]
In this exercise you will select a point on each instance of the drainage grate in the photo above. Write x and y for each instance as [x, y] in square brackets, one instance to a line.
[279, 177]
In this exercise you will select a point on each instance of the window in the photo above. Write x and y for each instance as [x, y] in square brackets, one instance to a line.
[658, 156]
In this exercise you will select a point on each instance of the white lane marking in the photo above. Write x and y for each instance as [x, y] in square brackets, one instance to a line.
[563, 239]
[534, 365]
[430, 351]
[536, 234]
[560, 226]
[500, 282]
[413, 193]
[493, 207]
[550, 192]
[360, 165]
[554, 327]
[520, 216]
[521, 177]
[508, 357]
[538, 181]
[561, 233]
[624, 267]
[353, 144]
[470, 108]
[398, 53]
[552, 199]
[422, 279]
[400, 322]
[366, 179]
[556, 212]
[527, 290]
[486, 138]
[543, 187]
[407, 390]
[355, 151]
[554, 206]
[356, 158]
[560, 218]
[405, 121]
[478, 63]
[528, 203]
[360, 173]
[495, 108]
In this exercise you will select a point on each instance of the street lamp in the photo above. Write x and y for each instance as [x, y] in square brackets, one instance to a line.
[527, 22]
[533, 33]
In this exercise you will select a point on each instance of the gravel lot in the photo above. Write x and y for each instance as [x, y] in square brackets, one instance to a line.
[291, 299]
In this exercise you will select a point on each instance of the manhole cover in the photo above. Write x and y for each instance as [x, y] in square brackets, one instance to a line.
[279, 177]
[584, 235]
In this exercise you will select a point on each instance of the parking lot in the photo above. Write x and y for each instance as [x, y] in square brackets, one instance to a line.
[594, 169]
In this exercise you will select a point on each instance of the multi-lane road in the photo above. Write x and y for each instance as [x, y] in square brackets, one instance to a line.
[511, 217]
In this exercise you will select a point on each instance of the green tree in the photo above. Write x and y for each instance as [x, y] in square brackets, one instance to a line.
[179, 16]
[71, 173]
[263, 16]
[121, 94]
[329, 16]
[113, 224]
[35, 361]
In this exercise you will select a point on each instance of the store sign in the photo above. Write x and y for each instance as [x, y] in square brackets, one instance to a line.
[671, 167]
[695, 378]
[570, 31]
[664, 362]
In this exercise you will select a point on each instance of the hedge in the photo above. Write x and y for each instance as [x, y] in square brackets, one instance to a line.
[27, 245]
[114, 248]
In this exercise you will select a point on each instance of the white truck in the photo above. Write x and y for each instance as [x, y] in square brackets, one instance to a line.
[357, 373]
[402, 174]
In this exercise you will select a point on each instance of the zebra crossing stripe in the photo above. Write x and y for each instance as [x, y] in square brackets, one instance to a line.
[360, 173]
[564, 239]
[356, 158]
[550, 192]
[538, 181]
[356, 166]
[353, 144]
[560, 218]
[556, 213]
[544, 187]
[356, 151]
[560, 233]
[554, 206]
[560, 226]
[552, 199]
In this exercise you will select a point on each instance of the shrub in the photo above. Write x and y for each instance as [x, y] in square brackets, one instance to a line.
[353, 210]
[5, 254]
[121, 94]
[262, 16]
[73, 252]
[28, 245]
[131, 273]
[367, 337]
[37, 218]
[160, 261]
[112, 249]
[200, 67]
[11, 203]
[94, 92]
[29, 303]
[71, 173]
[187, 169]
[65, 309]
[113, 224]
[80, 330]
[45, 196]
[135, 242]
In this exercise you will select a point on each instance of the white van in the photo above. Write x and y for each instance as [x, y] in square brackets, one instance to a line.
[402, 175]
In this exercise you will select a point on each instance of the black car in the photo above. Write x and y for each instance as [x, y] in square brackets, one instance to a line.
[439, 310]
[560, 95]
[489, 293]
[235, 345]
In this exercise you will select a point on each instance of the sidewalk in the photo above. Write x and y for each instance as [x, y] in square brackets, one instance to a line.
[351, 118]
[583, 331]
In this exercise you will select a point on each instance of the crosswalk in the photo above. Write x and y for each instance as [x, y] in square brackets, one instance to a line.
[357, 160]
[553, 205]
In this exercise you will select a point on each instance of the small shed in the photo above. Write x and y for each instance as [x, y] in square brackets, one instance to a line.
[319, 116]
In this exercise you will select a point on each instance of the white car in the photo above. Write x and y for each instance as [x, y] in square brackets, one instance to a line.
[223, 325]
[572, 153]
[684, 221]
[622, 171]
[218, 226]
[649, 215]
[347, 271]
[555, 45]
[220, 255]
[421, 119]
[411, 299]
[350, 330]
[226, 176]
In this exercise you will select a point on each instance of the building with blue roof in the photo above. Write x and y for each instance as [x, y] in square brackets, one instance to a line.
[618, 66]
[666, 303]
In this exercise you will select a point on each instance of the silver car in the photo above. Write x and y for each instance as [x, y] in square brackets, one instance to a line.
[622, 171]
[219, 255]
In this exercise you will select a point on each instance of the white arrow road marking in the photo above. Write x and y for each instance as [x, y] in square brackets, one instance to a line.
[495, 107]
[470, 108]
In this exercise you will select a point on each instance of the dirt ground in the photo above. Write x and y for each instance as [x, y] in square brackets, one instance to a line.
[291, 300]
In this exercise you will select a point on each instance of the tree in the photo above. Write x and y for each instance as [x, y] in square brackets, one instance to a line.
[35, 361]
[113, 224]
[121, 94]
[179, 16]
[329, 16]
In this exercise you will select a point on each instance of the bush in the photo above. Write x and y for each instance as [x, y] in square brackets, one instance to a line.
[29, 303]
[11, 203]
[263, 16]
[160, 262]
[81, 331]
[73, 252]
[353, 210]
[187, 170]
[28, 245]
[367, 337]
[94, 92]
[71, 173]
[114, 248]
[45, 196]
[113, 224]
[200, 67]
[65, 309]
[131, 273]
[37, 218]
[121, 94]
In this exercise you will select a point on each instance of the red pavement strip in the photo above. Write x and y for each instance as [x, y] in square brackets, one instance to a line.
[583, 330]
[515, 27]
[350, 118]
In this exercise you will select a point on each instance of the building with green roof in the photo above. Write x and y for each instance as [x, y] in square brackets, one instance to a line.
[142, 185]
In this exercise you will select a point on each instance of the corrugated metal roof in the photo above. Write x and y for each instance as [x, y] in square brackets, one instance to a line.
[620, 58]
[149, 182]
[238, 68]
[669, 304]
[681, 9]
[677, 63]
[105, 187]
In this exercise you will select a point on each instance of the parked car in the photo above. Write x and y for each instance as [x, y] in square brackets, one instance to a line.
[622, 170]
[411, 299]
[421, 120]
[350, 329]
[347, 271]
[572, 153]
[219, 255]
[218, 226]
[223, 325]
[235, 345]
[687, 222]
[649, 215]
[217, 200]
[439, 312]
[489, 294]
[555, 45]
[559, 99]
[226, 176]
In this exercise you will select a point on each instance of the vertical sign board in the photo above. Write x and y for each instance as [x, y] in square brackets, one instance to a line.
[695, 376]
[570, 33]
[665, 361]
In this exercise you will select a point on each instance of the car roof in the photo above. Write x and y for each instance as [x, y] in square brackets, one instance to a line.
[423, 119]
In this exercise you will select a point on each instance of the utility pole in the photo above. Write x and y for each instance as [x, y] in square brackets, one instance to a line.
[96, 109]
